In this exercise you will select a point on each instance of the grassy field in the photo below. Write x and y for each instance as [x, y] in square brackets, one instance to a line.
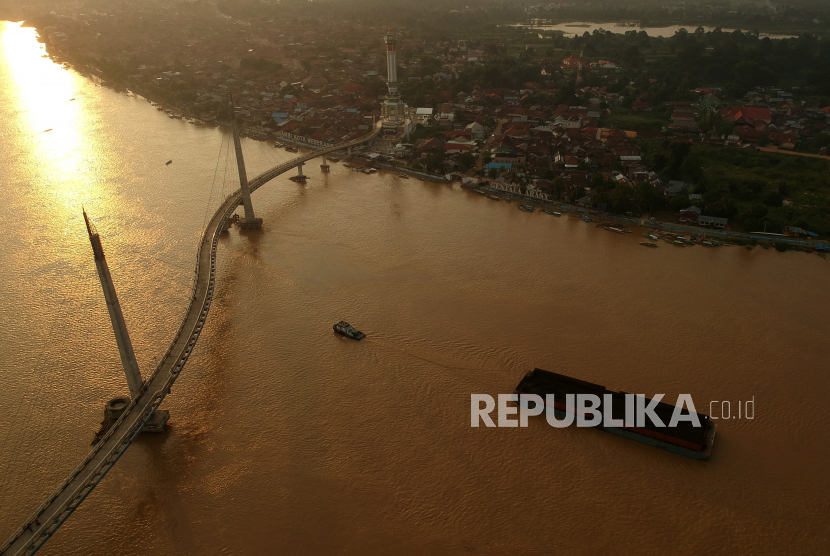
[624, 118]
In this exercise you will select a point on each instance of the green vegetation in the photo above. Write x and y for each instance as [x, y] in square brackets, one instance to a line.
[625, 118]
[757, 190]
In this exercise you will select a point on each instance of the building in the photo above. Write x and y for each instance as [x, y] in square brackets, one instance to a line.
[712, 221]
[394, 110]
[691, 214]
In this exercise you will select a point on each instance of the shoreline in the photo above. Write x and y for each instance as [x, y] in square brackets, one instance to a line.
[655, 225]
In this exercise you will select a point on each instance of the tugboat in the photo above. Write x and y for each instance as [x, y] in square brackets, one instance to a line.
[347, 329]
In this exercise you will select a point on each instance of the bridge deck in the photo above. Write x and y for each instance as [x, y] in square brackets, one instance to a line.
[43, 523]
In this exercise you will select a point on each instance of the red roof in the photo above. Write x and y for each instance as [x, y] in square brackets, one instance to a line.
[754, 112]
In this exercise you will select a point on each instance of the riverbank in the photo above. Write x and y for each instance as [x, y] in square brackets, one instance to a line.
[738, 238]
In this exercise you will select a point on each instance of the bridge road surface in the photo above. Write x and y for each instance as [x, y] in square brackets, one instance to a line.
[43, 523]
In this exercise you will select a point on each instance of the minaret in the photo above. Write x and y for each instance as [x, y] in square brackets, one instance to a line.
[393, 108]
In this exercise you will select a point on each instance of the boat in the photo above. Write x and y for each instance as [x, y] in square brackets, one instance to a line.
[47, 130]
[546, 211]
[347, 165]
[613, 229]
[687, 242]
[508, 199]
[584, 218]
[480, 192]
[681, 238]
[680, 243]
[709, 243]
[685, 437]
[334, 159]
[291, 149]
[346, 329]
[169, 162]
[403, 176]
[651, 237]
[648, 244]
[278, 144]
[495, 197]
[527, 208]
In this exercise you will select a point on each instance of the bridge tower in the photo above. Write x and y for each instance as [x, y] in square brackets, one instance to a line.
[250, 222]
[135, 382]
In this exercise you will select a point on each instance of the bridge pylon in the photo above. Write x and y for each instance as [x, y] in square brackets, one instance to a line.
[135, 382]
[250, 222]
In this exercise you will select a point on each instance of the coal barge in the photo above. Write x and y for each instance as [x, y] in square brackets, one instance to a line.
[684, 438]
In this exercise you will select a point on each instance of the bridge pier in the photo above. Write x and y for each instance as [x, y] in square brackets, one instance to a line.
[299, 178]
[250, 222]
[324, 166]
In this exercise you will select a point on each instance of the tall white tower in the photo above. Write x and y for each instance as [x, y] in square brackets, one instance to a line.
[393, 109]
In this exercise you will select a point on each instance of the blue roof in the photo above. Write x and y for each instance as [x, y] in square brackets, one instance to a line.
[286, 97]
[499, 165]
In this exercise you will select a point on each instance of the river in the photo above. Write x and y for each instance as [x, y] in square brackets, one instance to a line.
[285, 438]
[577, 28]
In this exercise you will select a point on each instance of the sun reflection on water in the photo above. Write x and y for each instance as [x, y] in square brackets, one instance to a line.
[51, 130]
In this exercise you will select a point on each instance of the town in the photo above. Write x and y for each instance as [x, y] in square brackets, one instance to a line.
[700, 127]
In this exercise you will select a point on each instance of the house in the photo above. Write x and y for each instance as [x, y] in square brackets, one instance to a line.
[690, 214]
[674, 188]
[712, 221]
[640, 106]
[684, 120]
[478, 131]
[794, 231]
[736, 113]
[423, 115]
[510, 158]
[305, 104]
[454, 148]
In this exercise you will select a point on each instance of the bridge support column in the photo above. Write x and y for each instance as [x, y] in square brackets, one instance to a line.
[122, 338]
[250, 222]
[115, 407]
[299, 178]
[324, 166]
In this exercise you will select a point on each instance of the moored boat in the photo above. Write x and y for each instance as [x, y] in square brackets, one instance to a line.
[651, 237]
[584, 218]
[648, 244]
[495, 197]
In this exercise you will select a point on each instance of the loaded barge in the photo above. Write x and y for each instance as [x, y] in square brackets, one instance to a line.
[684, 438]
